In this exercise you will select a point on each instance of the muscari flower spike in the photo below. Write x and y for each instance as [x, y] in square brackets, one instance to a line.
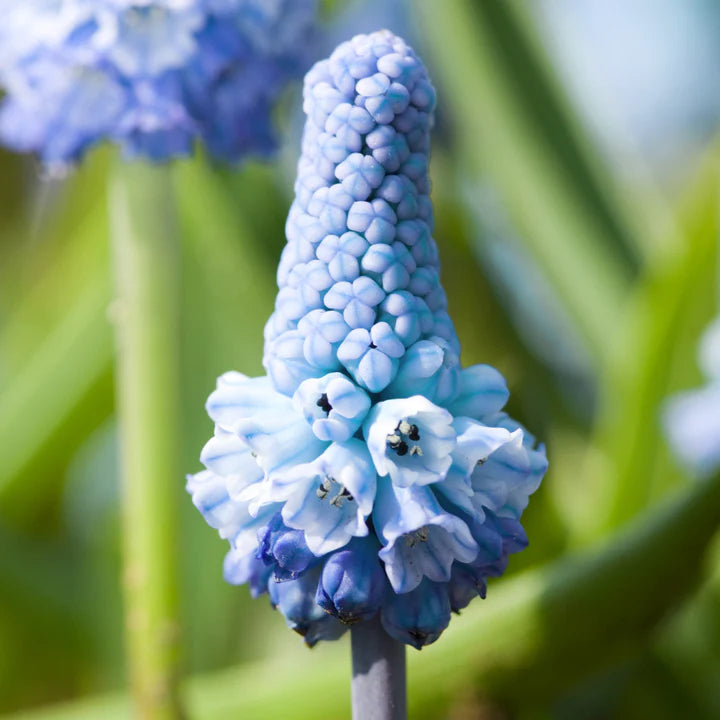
[368, 472]
[150, 75]
[692, 418]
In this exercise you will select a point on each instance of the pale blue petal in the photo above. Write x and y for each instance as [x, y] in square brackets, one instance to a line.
[483, 391]
[238, 396]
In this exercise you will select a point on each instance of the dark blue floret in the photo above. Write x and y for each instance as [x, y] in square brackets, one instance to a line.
[284, 550]
[353, 583]
[296, 601]
[417, 618]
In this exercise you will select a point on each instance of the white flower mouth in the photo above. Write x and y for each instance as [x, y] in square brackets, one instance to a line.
[410, 439]
[328, 486]
[403, 440]
[420, 535]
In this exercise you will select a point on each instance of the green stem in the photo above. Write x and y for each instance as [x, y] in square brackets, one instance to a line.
[147, 262]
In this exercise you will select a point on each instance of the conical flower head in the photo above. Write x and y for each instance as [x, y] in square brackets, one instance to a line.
[368, 471]
[359, 277]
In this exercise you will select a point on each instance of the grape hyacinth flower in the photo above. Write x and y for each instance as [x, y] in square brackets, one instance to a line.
[368, 473]
[692, 418]
[150, 75]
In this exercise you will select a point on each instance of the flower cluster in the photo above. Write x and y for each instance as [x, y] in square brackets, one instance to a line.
[367, 472]
[151, 75]
[692, 418]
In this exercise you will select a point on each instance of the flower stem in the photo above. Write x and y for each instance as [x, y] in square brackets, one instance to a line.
[146, 313]
[378, 674]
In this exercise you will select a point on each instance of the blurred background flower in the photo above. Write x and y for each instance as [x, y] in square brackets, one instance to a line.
[692, 418]
[151, 76]
[575, 181]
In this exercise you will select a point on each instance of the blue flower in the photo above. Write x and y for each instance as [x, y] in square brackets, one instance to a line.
[353, 584]
[284, 550]
[368, 472]
[296, 601]
[692, 418]
[151, 76]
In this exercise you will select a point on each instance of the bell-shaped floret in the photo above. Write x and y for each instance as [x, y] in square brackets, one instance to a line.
[231, 518]
[429, 368]
[238, 396]
[483, 391]
[295, 599]
[475, 442]
[419, 617]
[505, 481]
[227, 455]
[411, 440]
[353, 582]
[278, 434]
[327, 499]
[284, 550]
[240, 568]
[420, 539]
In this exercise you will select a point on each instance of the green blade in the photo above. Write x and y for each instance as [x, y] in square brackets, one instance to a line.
[510, 123]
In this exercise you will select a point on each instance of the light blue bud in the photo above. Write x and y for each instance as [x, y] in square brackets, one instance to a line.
[430, 368]
[371, 356]
[333, 405]
[483, 391]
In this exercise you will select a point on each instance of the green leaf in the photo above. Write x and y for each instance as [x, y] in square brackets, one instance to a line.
[509, 122]
[63, 390]
[663, 320]
[55, 344]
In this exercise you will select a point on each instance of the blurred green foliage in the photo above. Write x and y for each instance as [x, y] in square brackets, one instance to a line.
[595, 620]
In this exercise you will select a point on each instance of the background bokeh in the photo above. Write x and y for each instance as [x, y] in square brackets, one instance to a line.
[575, 177]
